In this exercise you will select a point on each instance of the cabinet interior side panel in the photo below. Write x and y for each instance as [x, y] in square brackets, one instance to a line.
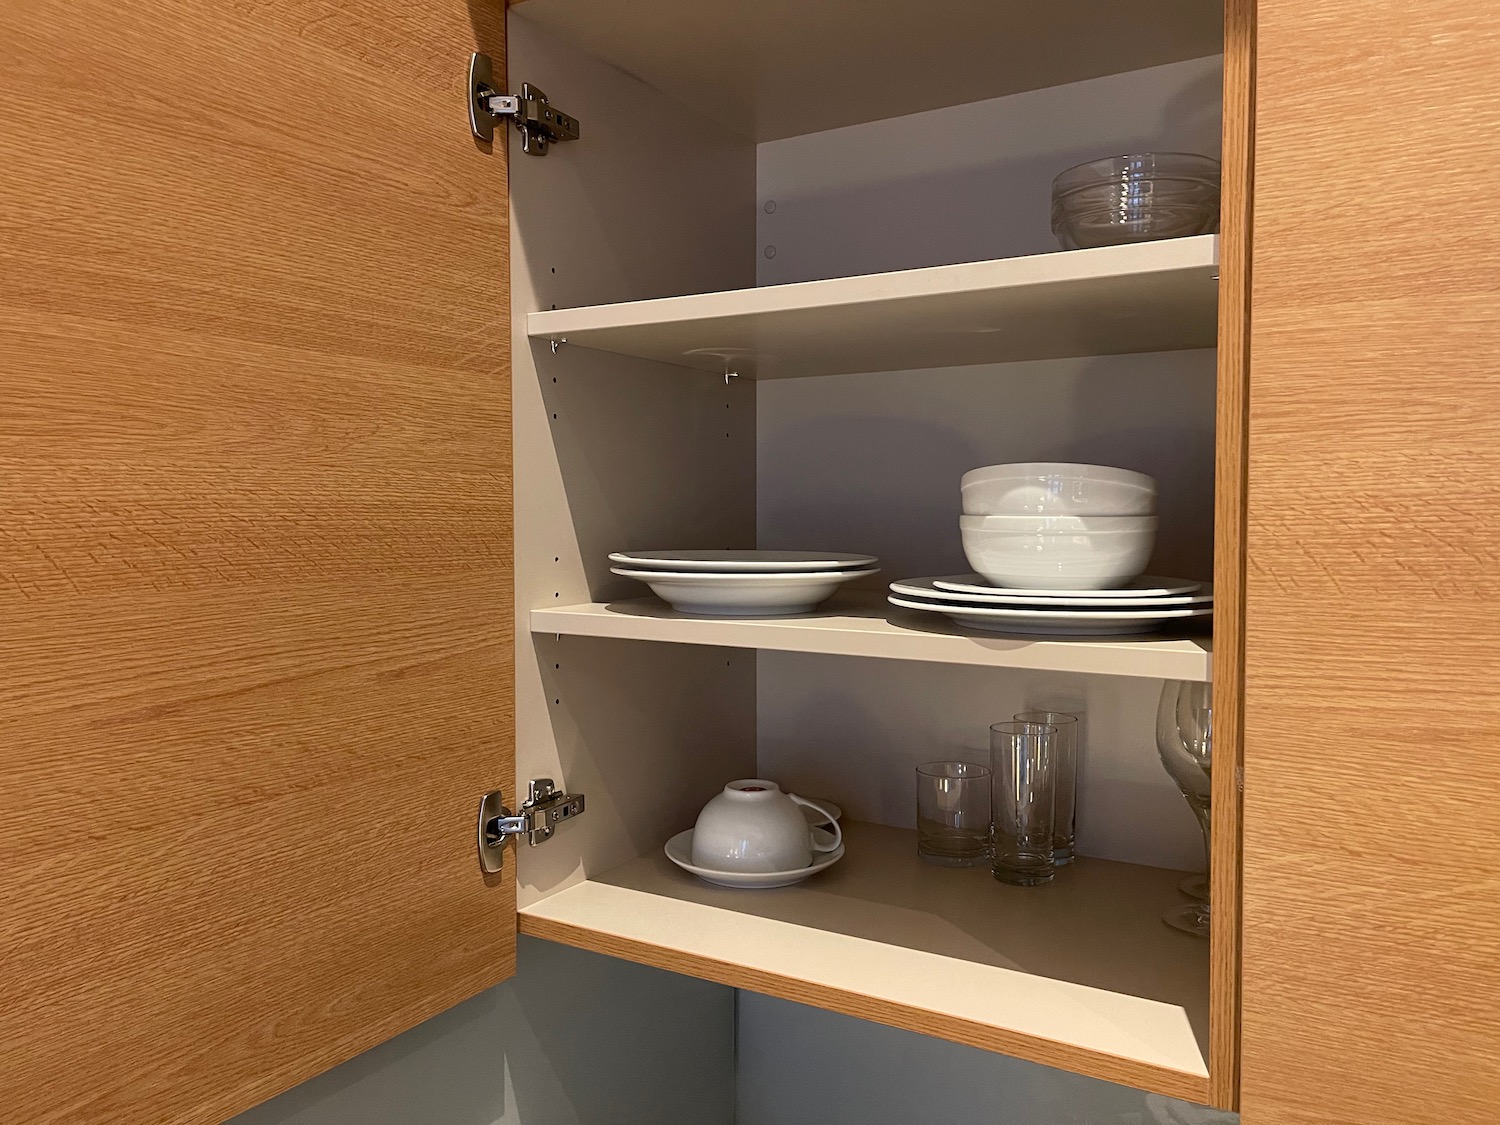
[614, 453]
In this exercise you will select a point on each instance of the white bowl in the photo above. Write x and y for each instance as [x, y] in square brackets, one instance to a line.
[1057, 488]
[1060, 559]
[743, 595]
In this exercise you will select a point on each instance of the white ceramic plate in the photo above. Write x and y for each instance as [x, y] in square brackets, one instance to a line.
[1148, 586]
[743, 595]
[679, 850]
[742, 562]
[931, 590]
[1056, 622]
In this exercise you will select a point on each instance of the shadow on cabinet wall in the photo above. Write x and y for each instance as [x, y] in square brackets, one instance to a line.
[562, 1043]
[872, 462]
[978, 185]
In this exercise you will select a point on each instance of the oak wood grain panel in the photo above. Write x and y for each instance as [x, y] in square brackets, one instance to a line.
[255, 558]
[1229, 545]
[1372, 698]
[1064, 1056]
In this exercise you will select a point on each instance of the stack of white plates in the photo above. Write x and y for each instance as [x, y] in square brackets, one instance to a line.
[1141, 605]
[742, 583]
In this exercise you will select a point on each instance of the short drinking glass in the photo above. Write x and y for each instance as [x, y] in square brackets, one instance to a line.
[1064, 836]
[953, 813]
[1023, 757]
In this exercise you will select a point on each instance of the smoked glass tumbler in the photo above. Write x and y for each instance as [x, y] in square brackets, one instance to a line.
[953, 813]
[1064, 833]
[1023, 759]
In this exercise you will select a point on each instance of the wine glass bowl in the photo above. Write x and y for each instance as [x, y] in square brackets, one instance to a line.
[1185, 740]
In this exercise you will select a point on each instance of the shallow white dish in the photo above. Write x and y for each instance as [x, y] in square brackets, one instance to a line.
[1057, 488]
[679, 850]
[743, 595]
[1147, 586]
[1063, 560]
[742, 562]
[932, 589]
[1055, 622]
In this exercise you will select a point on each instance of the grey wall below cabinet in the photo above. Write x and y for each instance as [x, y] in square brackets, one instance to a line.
[573, 1039]
[799, 1065]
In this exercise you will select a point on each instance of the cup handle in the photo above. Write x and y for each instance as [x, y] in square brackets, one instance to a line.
[838, 834]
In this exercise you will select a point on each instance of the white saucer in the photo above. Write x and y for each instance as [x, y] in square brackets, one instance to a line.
[679, 850]
[1149, 586]
[932, 589]
[742, 562]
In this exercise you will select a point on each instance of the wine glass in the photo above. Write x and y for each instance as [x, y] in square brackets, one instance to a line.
[1185, 740]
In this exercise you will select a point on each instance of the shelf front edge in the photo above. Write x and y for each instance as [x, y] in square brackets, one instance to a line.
[867, 633]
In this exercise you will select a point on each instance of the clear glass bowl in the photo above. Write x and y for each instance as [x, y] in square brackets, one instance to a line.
[1135, 198]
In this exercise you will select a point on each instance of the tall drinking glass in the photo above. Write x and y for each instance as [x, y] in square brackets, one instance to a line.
[1185, 741]
[1023, 760]
[1064, 837]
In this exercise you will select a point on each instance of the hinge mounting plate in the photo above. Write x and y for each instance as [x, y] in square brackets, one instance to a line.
[541, 124]
[546, 807]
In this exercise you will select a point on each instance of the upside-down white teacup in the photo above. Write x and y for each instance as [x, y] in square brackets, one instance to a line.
[753, 826]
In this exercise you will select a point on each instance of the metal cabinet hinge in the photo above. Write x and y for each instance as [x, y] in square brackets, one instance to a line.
[546, 807]
[541, 124]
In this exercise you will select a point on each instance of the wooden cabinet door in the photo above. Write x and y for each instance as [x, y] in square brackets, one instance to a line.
[1372, 644]
[255, 558]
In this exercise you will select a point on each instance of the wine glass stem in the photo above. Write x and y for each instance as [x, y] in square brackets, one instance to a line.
[1205, 823]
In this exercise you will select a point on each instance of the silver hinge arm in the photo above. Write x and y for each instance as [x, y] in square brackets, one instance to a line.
[546, 807]
[540, 123]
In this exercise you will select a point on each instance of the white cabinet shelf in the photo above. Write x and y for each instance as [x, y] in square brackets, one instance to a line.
[866, 626]
[1154, 296]
[1081, 975]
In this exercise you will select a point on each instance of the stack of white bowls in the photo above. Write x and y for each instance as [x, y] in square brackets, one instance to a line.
[1057, 549]
[1052, 526]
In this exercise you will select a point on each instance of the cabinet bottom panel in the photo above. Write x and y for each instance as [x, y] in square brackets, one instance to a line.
[1081, 975]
